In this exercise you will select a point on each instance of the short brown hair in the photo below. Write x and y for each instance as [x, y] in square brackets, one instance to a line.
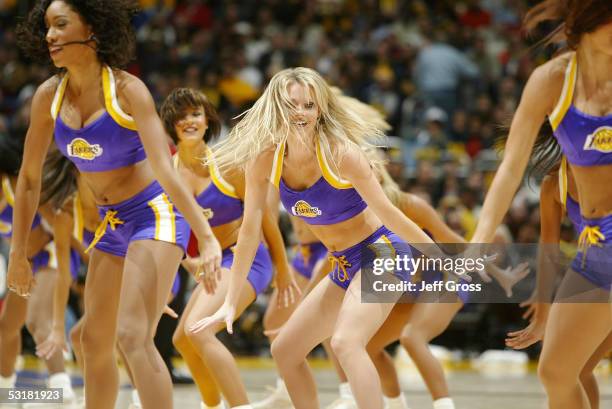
[175, 106]
[576, 18]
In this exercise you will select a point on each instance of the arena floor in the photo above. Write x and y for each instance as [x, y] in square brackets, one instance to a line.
[500, 386]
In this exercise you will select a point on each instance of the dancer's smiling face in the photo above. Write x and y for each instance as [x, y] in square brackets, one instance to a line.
[192, 126]
[64, 25]
[305, 112]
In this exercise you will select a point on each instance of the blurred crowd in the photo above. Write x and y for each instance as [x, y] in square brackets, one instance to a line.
[447, 75]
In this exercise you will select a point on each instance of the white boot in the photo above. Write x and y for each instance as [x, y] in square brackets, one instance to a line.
[399, 402]
[79, 403]
[135, 400]
[59, 380]
[444, 403]
[278, 399]
[346, 399]
[62, 380]
[9, 381]
[221, 405]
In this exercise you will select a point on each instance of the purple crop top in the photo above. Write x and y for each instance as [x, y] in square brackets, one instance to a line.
[586, 140]
[329, 200]
[109, 142]
[219, 200]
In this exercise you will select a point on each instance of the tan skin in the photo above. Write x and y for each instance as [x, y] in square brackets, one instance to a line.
[32, 311]
[551, 211]
[148, 269]
[328, 311]
[575, 330]
[276, 315]
[415, 325]
[208, 359]
[63, 224]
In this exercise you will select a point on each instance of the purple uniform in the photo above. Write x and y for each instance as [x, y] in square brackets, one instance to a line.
[111, 142]
[45, 257]
[586, 140]
[328, 201]
[221, 205]
[306, 258]
[6, 214]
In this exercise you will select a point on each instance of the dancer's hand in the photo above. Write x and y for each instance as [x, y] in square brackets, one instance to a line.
[526, 337]
[512, 275]
[288, 290]
[209, 281]
[475, 253]
[225, 313]
[210, 257]
[19, 275]
[531, 307]
[534, 331]
[56, 341]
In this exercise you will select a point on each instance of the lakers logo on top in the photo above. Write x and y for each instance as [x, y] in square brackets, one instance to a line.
[80, 148]
[599, 140]
[302, 208]
[208, 213]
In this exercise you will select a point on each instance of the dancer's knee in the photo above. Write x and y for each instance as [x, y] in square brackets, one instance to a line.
[344, 345]
[132, 337]
[95, 342]
[202, 339]
[411, 338]
[179, 339]
[39, 330]
[587, 377]
[75, 336]
[284, 353]
[554, 373]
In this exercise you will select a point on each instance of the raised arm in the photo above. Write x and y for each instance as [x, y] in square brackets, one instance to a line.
[27, 193]
[539, 97]
[154, 139]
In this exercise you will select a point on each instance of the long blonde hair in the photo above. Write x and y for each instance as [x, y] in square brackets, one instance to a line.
[389, 186]
[365, 111]
[267, 124]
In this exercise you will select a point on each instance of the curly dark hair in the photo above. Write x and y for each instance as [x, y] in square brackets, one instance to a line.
[110, 21]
